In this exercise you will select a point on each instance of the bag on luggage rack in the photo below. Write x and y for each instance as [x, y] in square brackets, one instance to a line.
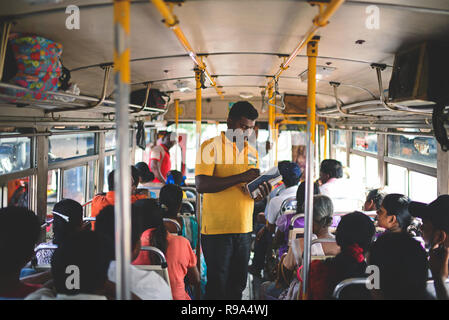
[156, 98]
[37, 65]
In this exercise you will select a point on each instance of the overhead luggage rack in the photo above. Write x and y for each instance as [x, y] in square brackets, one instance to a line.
[52, 104]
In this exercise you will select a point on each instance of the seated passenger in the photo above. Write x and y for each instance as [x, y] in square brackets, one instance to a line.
[290, 176]
[393, 213]
[322, 220]
[19, 232]
[181, 259]
[101, 201]
[67, 219]
[435, 229]
[91, 253]
[146, 285]
[345, 196]
[145, 175]
[374, 200]
[402, 263]
[354, 235]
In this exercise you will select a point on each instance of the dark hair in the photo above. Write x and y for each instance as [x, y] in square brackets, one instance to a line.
[377, 196]
[301, 195]
[152, 217]
[105, 224]
[170, 198]
[177, 177]
[354, 228]
[134, 175]
[62, 228]
[291, 173]
[323, 210]
[402, 263]
[91, 252]
[242, 109]
[332, 167]
[397, 204]
[144, 172]
[19, 232]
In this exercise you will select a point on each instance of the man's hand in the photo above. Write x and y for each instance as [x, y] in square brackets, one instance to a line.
[438, 262]
[249, 175]
[265, 189]
[260, 234]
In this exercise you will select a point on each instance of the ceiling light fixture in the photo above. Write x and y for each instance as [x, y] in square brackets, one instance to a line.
[321, 73]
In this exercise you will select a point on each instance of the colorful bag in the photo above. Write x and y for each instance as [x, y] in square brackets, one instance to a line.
[38, 65]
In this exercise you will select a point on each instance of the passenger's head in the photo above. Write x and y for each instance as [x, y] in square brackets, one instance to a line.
[393, 213]
[168, 139]
[242, 116]
[81, 262]
[323, 211]
[135, 178]
[19, 232]
[329, 169]
[170, 198]
[152, 217]
[105, 224]
[144, 172]
[402, 264]
[435, 218]
[374, 200]
[355, 228]
[175, 177]
[67, 219]
[301, 195]
[291, 173]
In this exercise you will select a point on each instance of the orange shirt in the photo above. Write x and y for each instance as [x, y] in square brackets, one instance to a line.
[99, 202]
[179, 256]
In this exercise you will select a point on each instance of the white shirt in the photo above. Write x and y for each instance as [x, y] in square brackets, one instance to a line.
[274, 205]
[345, 195]
[147, 285]
[48, 294]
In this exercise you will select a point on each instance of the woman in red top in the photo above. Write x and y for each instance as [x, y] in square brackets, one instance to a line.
[354, 235]
[181, 259]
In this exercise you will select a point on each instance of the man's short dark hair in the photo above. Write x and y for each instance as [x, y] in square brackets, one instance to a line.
[332, 167]
[105, 224]
[91, 252]
[111, 180]
[19, 232]
[243, 109]
[134, 175]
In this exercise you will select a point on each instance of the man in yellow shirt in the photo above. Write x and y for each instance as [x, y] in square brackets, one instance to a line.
[224, 165]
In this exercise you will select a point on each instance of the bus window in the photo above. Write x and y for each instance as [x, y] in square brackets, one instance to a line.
[364, 141]
[109, 165]
[397, 179]
[109, 140]
[340, 155]
[15, 193]
[372, 173]
[423, 188]
[422, 150]
[74, 186]
[69, 146]
[364, 170]
[14, 154]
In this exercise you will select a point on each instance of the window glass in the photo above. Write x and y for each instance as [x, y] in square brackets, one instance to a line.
[340, 155]
[109, 165]
[340, 138]
[372, 173]
[423, 188]
[357, 169]
[52, 188]
[397, 179]
[422, 150]
[15, 193]
[109, 140]
[364, 141]
[92, 180]
[14, 154]
[69, 146]
[75, 184]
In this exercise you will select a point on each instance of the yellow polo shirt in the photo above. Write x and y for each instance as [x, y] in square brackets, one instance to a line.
[230, 210]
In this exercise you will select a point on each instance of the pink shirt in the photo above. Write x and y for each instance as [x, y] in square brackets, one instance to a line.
[180, 257]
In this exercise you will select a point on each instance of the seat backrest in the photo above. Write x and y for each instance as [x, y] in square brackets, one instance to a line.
[348, 282]
[289, 204]
[175, 224]
[187, 207]
[161, 269]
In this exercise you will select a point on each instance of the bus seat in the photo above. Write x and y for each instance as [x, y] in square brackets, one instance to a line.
[324, 240]
[161, 269]
[173, 223]
[294, 233]
[289, 204]
[320, 257]
[348, 282]
[187, 207]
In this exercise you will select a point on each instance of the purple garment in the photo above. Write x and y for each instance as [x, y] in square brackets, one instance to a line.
[283, 223]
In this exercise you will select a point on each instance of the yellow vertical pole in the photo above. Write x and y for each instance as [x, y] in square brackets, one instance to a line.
[271, 120]
[312, 53]
[122, 206]
[198, 73]
[176, 130]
